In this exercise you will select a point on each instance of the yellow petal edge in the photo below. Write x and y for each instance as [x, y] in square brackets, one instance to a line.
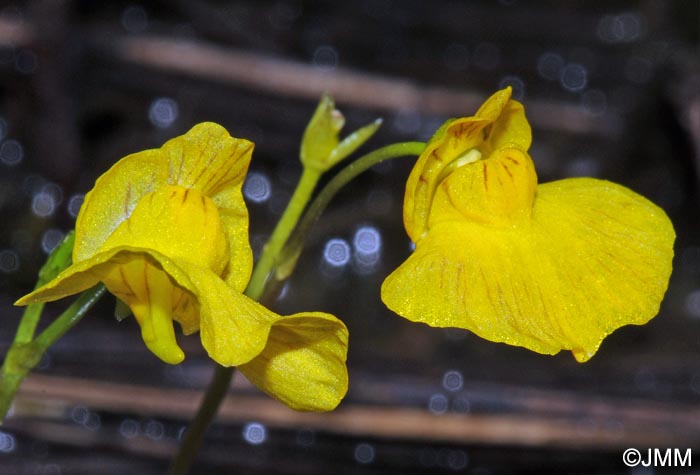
[550, 267]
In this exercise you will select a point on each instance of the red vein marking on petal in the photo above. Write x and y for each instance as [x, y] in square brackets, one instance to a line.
[181, 167]
[488, 290]
[458, 277]
[214, 176]
[145, 284]
[466, 128]
[507, 169]
[204, 166]
[486, 176]
[446, 187]
[240, 170]
[180, 295]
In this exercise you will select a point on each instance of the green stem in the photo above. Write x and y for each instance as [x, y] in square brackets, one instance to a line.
[289, 254]
[58, 260]
[69, 318]
[302, 194]
[28, 323]
[23, 356]
[205, 414]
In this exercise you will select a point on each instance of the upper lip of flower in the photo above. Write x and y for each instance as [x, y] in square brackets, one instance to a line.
[499, 122]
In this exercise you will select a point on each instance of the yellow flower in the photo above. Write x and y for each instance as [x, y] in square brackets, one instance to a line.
[166, 231]
[549, 267]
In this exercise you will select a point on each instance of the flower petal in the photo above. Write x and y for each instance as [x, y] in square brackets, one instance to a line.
[595, 257]
[234, 329]
[498, 122]
[75, 279]
[209, 160]
[148, 291]
[303, 364]
[474, 277]
[510, 126]
[453, 139]
[114, 196]
[177, 222]
[206, 159]
[499, 190]
[137, 279]
[616, 251]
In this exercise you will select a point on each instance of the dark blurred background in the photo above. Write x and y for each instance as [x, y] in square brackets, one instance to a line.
[612, 90]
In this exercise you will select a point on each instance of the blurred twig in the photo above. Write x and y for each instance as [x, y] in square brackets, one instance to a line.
[296, 79]
[290, 78]
[14, 32]
[577, 422]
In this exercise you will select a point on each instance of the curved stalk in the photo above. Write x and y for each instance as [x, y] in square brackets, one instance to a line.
[289, 254]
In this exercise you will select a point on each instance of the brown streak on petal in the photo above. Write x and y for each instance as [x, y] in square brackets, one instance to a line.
[145, 284]
[193, 180]
[507, 169]
[248, 147]
[215, 175]
[466, 128]
[556, 325]
[181, 295]
[180, 168]
[488, 290]
[126, 283]
[446, 187]
[486, 177]
[184, 196]
[241, 170]
[512, 160]
[202, 168]
[458, 280]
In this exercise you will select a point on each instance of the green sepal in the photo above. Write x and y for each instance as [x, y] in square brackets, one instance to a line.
[321, 148]
[353, 141]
